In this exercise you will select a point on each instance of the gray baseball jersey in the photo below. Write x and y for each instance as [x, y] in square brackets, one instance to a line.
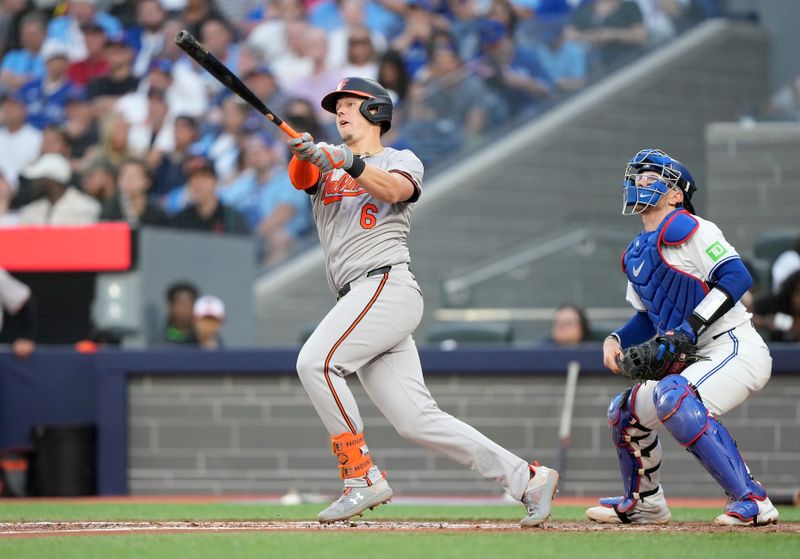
[360, 233]
[369, 330]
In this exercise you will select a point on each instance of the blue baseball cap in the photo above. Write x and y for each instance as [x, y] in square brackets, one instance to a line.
[162, 65]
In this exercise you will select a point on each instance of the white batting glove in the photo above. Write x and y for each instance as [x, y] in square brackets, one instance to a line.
[328, 157]
[302, 147]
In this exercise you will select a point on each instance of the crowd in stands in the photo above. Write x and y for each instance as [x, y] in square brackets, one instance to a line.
[150, 138]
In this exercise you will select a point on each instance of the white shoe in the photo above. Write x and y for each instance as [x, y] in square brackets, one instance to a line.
[538, 496]
[622, 510]
[355, 500]
[748, 512]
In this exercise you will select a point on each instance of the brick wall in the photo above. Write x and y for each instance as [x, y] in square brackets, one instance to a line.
[245, 434]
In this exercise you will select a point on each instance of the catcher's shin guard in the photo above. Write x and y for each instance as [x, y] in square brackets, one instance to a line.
[638, 451]
[684, 415]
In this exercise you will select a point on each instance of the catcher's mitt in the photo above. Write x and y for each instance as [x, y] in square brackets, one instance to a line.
[663, 355]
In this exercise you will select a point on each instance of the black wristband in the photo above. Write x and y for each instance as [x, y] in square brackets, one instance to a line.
[357, 167]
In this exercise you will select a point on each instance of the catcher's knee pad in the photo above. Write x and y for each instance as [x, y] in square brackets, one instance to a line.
[638, 449]
[680, 409]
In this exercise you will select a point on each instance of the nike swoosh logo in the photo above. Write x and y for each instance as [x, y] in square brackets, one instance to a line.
[637, 269]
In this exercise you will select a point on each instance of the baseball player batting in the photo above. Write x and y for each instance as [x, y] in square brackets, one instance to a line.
[692, 337]
[363, 195]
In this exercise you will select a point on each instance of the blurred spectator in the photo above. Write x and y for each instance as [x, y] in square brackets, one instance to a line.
[562, 59]
[98, 182]
[55, 140]
[322, 79]
[186, 85]
[95, 64]
[66, 29]
[413, 41]
[20, 142]
[779, 315]
[294, 62]
[131, 202]
[570, 326]
[453, 93]
[353, 17]
[45, 97]
[11, 14]
[179, 328]
[209, 315]
[113, 147]
[263, 84]
[217, 36]
[25, 64]
[393, 76]
[61, 204]
[224, 148]
[105, 90]
[278, 213]
[785, 265]
[663, 18]
[610, 28]
[168, 172]
[152, 109]
[152, 130]
[513, 72]
[149, 33]
[206, 212]
[269, 36]
[362, 60]
[302, 115]
[18, 314]
[380, 15]
[197, 12]
[80, 127]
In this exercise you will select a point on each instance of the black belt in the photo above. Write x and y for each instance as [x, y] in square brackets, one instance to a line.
[376, 272]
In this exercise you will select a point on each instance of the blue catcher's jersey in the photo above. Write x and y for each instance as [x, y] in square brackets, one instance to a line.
[668, 294]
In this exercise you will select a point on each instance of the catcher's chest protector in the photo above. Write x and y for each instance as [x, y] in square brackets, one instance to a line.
[668, 294]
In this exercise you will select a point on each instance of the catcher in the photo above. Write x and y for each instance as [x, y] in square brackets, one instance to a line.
[690, 345]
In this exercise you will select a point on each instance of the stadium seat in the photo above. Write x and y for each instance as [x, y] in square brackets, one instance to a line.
[770, 244]
[471, 332]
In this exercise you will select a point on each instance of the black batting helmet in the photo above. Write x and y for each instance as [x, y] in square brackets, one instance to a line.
[376, 96]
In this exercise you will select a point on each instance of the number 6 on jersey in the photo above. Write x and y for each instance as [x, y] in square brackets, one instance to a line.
[369, 216]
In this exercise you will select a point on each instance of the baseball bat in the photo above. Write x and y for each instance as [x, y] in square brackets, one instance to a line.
[223, 74]
[565, 426]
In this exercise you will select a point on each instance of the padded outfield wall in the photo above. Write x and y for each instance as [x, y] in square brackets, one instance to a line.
[188, 422]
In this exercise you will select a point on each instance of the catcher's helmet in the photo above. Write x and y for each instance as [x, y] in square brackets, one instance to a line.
[671, 174]
[377, 99]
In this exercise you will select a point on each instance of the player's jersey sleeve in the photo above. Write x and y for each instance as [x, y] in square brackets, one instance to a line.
[407, 164]
[633, 298]
[707, 249]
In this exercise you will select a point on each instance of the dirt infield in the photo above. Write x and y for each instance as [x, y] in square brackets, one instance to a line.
[45, 529]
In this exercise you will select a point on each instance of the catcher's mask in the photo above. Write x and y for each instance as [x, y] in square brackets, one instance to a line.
[377, 106]
[642, 189]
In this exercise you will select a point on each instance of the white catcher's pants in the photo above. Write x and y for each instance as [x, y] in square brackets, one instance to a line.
[368, 332]
[738, 366]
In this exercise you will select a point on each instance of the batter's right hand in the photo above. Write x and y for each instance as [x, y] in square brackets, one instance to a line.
[302, 147]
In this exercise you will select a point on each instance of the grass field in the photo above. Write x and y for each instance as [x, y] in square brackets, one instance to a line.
[381, 533]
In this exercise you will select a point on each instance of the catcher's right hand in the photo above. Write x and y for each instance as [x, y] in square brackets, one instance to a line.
[657, 358]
